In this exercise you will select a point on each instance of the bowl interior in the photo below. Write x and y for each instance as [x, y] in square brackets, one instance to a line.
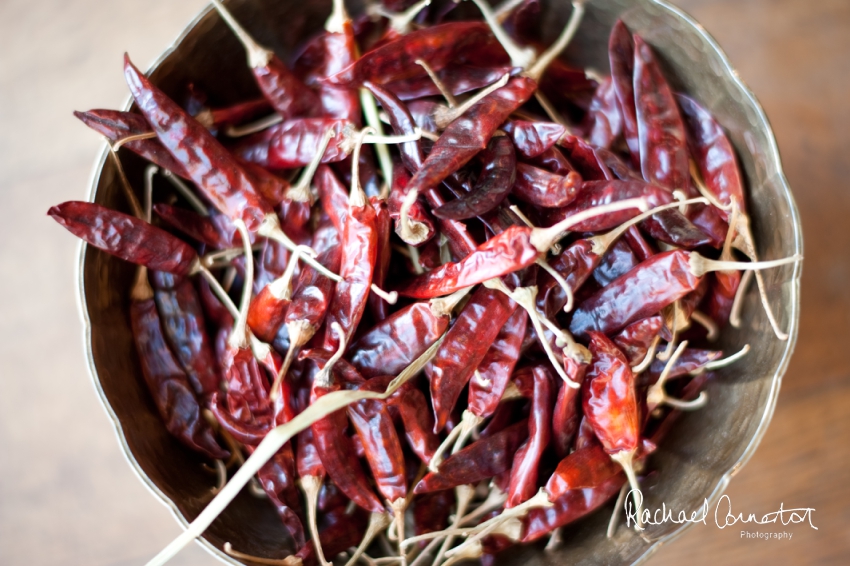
[695, 461]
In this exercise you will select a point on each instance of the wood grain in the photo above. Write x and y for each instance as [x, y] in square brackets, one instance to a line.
[67, 495]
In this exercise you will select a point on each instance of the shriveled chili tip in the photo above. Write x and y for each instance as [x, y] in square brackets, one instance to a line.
[544, 189]
[479, 461]
[524, 471]
[465, 345]
[533, 138]
[126, 237]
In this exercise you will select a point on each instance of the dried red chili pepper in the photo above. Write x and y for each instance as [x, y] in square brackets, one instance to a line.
[544, 189]
[566, 415]
[215, 231]
[533, 138]
[604, 120]
[126, 237]
[465, 345]
[527, 458]
[617, 260]
[457, 79]
[621, 55]
[635, 339]
[585, 468]
[479, 461]
[418, 422]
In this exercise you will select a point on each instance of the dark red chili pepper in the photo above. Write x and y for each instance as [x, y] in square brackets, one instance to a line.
[307, 459]
[479, 461]
[116, 125]
[384, 454]
[585, 436]
[431, 512]
[455, 42]
[383, 225]
[553, 161]
[498, 174]
[576, 263]
[126, 237]
[661, 132]
[216, 118]
[565, 419]
[709, 220]
[544, 189]
[584, 157]
[617, 260]
[524, 471]
[418, 422]
[691, 360]
[595, 193]
[585, 468]
[183, 321]
[295, 143]
[604, 120]
[641, 248]
[277, 478]
[172, 393]
[458, 79]
[533, 138]
[635, 339]
[621, 55]
[571, 506]
[642, 292]
[494, 372]
[341, 368]
[341, 531]
[213, 169]
[333, 196]
[215, 231]
[465, 345]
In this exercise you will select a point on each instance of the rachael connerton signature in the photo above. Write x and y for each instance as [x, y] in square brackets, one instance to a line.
[723, 514]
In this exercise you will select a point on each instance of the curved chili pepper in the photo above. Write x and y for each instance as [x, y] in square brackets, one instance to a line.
[172, 393]
[527, 458]
[635, 339]
[553, 161]
[661, 132]
[533, 138]
[481, 460]
[116, 125]
[182, 319]
[565, 85]
[489, 382]
[566, 415]
[418, 422]
[294, 143]
[213, 169]
[465, 345]
[644, 291]
[585, 436]
[126, 237]
[455, 42]
[604, 120]
[621, 56]
[498, 173]
[544, 189]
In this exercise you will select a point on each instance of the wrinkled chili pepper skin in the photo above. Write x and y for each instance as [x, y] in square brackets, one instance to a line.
[418, 422]
[455, 42]
[172, 393]
[333, 196]
[604, 121]
[635, 339]
[571, 506]
[661, 132]
[116, 125]
[339, 459]
[494, 372]
[357, 264]
[566, 415]
[544, 189]
[314, 292]
[458, 79]
[526, 462]
[382, 447]
[293, 143]
[609, 398]
[183, 322]
[125, 236]
[585, 468]
[267, 314]
[621, 56]
[713, 153]
[470, 133]
[392, 344]
[277, 478]
[576, 263]
[498, 174]
[479, 461]
[617, 260]
[533, 138]
[505, 253]
[465, 345]
[553, 161]
[213, 169]
[284, 90]
[307, 461]
[642, 292]
[431, 512]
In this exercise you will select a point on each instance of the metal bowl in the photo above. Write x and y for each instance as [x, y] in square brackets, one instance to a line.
[696, 461]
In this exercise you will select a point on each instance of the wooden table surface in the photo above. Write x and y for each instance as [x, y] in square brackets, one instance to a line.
[67, 495]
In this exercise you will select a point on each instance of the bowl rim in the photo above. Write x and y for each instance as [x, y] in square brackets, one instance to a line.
[776, 380]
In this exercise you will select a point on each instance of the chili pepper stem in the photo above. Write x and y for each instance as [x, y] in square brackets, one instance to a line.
[468, 423]
[445, 116]
[656, 396]
[138, 212]
[338, 18]
[724, 362]
[738, 302]
[712, 330]
[520, 56]
[625, 459]
[194, 201]
[447, 94]
[311, 485]
[300, 191]
[464, 495]
[543, 61]
[700, 265]
[555, 541]
[141, 290]
[703, 190]
[437, 458]
[239, 337]
[288, 561]
[549, 108]
[325, 376]
[357, 197]
[135, 137]
[495, 499]
[398, 506]
[544, 238]
[671, 312]
[615, 515]
[300, 332]
[647, 359]
[253, 127]
[377, 523]
[412, 232]
[258, 56]
[400, 22]
[471, 552]
[221, 477]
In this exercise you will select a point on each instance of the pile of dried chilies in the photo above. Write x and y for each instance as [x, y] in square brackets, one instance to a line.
[472, 343]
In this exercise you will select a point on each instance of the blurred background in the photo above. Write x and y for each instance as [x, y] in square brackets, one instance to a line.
[66, 493]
